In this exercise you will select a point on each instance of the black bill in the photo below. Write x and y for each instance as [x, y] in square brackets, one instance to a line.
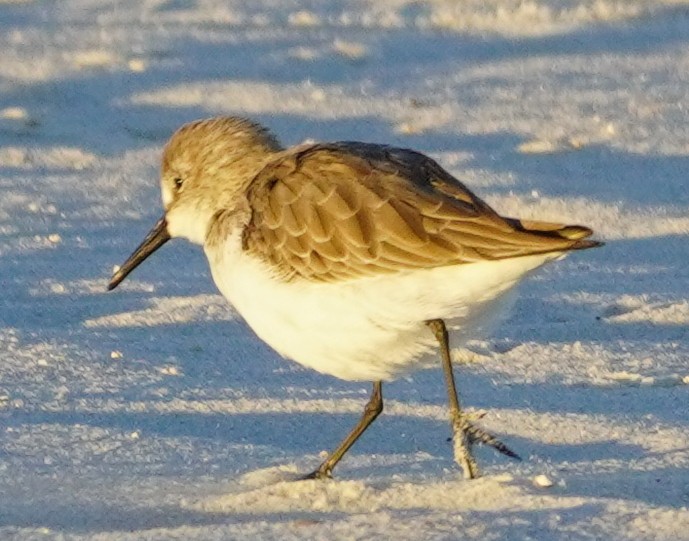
[155, 239]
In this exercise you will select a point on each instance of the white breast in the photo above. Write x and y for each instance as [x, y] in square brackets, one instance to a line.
[371, 328]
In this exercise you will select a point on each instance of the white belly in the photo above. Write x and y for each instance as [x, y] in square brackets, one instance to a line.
[371, 328]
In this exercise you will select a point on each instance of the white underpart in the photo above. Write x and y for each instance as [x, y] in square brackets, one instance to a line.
[370, 328]
[191, 225]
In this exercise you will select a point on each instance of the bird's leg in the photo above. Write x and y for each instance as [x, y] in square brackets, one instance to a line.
[373, 408]
[464, 433]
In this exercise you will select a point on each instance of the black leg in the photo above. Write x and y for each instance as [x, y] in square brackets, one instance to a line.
[373, 408]
[464, 434]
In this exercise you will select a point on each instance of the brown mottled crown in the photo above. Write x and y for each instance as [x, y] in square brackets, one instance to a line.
[207, 136]
[198, 150]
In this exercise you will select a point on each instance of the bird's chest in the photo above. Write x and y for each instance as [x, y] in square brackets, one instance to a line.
[333, 329]
[361, 330]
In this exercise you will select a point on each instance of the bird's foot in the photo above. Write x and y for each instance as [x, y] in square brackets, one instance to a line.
[465, 435]
[323, 472]
[461, 443]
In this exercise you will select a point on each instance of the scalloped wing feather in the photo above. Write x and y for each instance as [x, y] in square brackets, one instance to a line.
[347, 210]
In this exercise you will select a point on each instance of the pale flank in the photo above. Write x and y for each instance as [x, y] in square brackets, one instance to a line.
[370, 328]
[350, 258]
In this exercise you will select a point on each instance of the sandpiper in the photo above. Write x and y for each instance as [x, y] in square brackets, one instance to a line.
[358, 260]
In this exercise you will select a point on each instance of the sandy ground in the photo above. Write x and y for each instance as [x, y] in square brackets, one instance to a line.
[153, 413]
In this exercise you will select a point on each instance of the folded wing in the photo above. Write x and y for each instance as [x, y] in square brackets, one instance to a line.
[347, 210]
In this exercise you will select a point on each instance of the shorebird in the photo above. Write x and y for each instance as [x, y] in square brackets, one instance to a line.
[357, 260]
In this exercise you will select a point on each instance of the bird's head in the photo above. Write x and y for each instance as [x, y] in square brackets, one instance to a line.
[206, 167]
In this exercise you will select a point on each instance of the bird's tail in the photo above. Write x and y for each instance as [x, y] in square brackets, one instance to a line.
[564, 237]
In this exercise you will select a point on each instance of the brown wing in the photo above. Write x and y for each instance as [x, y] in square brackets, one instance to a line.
[347, 210]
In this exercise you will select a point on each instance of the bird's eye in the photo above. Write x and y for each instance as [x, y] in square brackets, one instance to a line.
[178, 183]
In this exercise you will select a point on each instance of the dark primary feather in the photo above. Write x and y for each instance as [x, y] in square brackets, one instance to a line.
[345, 210]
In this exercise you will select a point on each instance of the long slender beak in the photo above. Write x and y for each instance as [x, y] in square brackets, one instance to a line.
[155, 239]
